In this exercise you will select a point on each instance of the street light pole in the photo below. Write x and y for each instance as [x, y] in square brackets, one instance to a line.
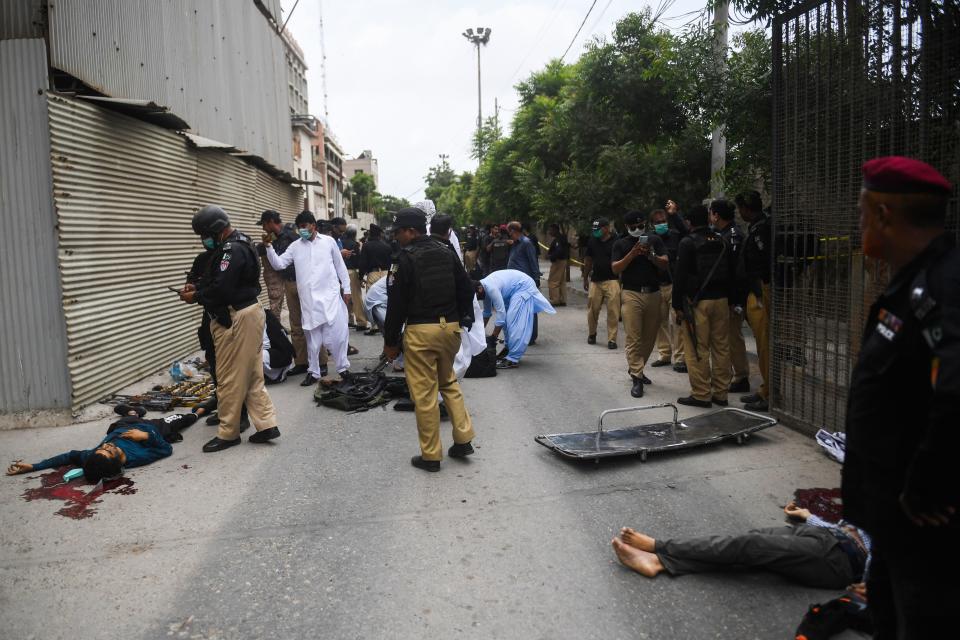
[479, 37]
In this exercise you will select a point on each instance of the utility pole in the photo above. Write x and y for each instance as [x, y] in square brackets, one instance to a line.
[718, 153]
[480, 37]
[323, 63]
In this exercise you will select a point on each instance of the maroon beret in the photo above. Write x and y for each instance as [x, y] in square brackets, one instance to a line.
[897, 174]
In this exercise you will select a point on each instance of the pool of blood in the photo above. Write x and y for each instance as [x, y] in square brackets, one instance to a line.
[823, 503]
[79, 495]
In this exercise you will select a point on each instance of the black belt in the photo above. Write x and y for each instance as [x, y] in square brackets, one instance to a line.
[237, 306]
[448, 319]
[644, 289]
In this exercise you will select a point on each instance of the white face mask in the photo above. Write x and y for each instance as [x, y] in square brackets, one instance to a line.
[636, 233]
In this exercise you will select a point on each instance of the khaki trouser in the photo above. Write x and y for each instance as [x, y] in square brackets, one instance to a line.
[641, 321]
[669, 343]
[738, 349]
[240, 372]
[372, 277]
[557, 282]
[470, 260]
[275, 288]
[356, 299]
[296, 326]
[428, 352]
[708, 366]
[605, 291]
[758, 317]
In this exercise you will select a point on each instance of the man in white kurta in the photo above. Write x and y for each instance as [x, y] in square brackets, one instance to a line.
[321, 274]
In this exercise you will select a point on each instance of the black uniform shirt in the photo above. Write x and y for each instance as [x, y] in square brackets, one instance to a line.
[353, 262]
[756, 251]
[738, 285]
[374, 256]
[671, 241]
[642, 272]
[559, 249]
[402, 293]
[288, 235]
[903, 407]
[234, 274]
[689, 278]
[601, 251]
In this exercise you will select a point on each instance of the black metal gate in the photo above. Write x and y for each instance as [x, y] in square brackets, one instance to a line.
[853, 80]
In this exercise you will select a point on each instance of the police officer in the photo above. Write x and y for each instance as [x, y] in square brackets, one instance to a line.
[428, 289]
[722, 217]
[901, 480]
[700, 299]
[754, 270]
[229, 295]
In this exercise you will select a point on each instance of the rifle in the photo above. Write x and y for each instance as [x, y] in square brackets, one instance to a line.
[689, 305]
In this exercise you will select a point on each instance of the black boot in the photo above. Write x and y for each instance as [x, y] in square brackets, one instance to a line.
[637, 390]
[426, 465]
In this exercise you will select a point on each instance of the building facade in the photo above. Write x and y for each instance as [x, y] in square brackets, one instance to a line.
[364, 163]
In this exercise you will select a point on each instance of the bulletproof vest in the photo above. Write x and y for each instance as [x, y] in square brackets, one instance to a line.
[709, 247]
[251, 274]
[435, 285]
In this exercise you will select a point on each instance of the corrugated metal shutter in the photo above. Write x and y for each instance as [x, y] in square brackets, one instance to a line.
[33, 348]
[125, 194]
[22, 19]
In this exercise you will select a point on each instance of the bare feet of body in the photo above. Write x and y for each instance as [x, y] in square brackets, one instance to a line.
[637, 539]
[645, 563]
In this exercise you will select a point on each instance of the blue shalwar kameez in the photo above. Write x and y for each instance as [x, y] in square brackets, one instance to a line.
[516, 299]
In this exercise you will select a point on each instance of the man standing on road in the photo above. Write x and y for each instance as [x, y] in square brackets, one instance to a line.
[722, 213]
[755, 266]
[638, 259]
[603, 287]
[429, 292]
[271, 277]
[281, 236]
[523, 258]
[900, 474]
[669, 343]
[229, 295]
[558, 254]
[321, 274]
[352, 261]
[700, 300]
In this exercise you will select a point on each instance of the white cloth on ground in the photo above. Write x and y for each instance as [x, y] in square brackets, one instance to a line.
[277, 374]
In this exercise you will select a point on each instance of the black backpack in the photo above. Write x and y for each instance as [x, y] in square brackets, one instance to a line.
[361, 391]
[483, 365]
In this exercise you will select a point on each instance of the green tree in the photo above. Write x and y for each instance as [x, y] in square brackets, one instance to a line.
[364, 195]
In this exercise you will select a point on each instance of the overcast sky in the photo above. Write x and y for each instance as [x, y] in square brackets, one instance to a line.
[401, 79]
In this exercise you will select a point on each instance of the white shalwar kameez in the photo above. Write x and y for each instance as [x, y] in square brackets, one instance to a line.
[321, 273]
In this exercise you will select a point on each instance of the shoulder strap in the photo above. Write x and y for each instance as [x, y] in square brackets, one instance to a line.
[713, 270]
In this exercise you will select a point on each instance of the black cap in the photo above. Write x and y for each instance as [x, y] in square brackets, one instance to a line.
[410, 218]
[601, 222]
[269, 216]
[634, 217]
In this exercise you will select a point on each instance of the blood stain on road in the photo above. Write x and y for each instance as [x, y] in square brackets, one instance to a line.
[78, 496]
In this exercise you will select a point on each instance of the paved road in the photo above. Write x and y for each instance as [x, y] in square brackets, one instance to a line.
[331, 533]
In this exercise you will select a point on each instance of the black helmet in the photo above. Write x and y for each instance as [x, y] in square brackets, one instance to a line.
[210, 221]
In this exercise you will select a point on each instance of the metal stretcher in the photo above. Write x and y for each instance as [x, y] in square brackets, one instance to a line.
[703, 429]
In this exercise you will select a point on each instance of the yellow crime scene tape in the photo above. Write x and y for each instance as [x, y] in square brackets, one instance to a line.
[546, 248]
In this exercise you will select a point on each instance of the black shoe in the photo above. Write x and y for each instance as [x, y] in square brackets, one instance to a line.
[645, 380]
[444, 414]
[637, 389]
[219, 445]
[244, 425]
[742, 386]
[124, 409]
[722, 403]
[426, 465]
[372, 331]
[759, 405]
[460, 450]
[753, 397]
[690, 401]
[297, 370]
[309, 381]
[266, 434]
[213, 420]
[660, 363]
[507, 364]
[352, 350]
[680, 367]
[592, 339]
[611, 345]
[531, 343]
[361, 329]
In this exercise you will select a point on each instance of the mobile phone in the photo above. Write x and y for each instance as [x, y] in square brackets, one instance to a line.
[174, 289]
[643, 240]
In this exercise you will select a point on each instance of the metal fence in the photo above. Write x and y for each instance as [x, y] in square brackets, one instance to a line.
[852, 80]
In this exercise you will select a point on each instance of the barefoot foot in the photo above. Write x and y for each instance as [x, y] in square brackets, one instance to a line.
[644, 563]
[638, 540]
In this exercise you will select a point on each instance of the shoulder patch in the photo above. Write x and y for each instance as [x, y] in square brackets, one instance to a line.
[226, 246]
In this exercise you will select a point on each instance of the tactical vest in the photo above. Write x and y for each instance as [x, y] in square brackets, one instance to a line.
[435, 286]
[241, 242]
[709, 247]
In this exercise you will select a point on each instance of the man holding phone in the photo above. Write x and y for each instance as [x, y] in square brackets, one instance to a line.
[638, 259]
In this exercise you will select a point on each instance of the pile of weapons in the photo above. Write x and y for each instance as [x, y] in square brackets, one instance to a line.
[188, 393]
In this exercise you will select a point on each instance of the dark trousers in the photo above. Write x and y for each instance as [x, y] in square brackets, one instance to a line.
[805, 554]
[912, 587]
[533, 336]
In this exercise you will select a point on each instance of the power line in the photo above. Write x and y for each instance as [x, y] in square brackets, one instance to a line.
[592, 5]
[596, 22]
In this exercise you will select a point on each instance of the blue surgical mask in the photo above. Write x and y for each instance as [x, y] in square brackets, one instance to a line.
[304, 233]
[209, 243]
[662, 228]
[597, 233]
